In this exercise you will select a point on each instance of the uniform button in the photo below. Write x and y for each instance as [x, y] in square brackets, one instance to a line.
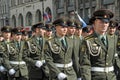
[107, 55]
[106, 63]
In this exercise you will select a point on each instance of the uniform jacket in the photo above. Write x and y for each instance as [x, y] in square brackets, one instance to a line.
[14, 53]
[34, 52]
[55, 53]
[96, 54]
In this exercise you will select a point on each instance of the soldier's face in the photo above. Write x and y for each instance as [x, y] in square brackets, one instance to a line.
[7, 35]
[18, 37]
[100, 26]
[78, 32]
[71, 30]
[48, 33]
[39, 32]
[61, 30]
[111, 30]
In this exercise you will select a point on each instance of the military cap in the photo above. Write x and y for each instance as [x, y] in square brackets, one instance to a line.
[25, 33]
[16, 31]
[71, 23]
[38, 25]
[6, 29]
[61, 22]
[102, 14]
[113, 23]
[78, 24]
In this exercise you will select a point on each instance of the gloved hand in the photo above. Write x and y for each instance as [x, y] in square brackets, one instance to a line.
[12, 71]
[2, 68]
[62, 76]
[38, 64]
[79, 79]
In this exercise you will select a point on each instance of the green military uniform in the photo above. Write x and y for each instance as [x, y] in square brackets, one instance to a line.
[60, 56]
[13, 59]
[34, 55]
[3, 71]
[34, 52]
[96, 59]
[55, 54]
[76, 45]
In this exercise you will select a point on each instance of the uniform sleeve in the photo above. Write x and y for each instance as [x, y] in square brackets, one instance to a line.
[49, 61]
[84, 61]
[75, 59]
[6, 61]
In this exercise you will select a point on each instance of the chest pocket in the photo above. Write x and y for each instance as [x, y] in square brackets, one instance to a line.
[54, 48]
[94, 49]
[32, 48]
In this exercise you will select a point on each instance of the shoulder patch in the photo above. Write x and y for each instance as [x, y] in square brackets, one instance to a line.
[89, 37]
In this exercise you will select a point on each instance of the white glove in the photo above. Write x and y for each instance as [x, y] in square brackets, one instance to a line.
[79, 79]
[38, 64]
[2, 68]
[12, 71]
[62, 76]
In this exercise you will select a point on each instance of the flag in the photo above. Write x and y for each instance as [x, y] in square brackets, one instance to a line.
[81, 20]
[47, 17]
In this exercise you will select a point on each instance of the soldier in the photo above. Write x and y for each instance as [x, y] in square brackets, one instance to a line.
[112, 32]
[13, 58]
[98, 50]
[78, 32]
[48, 32]
[34, 54]
[59, 53]
[25, 35]
[6, 32]
[72, 25]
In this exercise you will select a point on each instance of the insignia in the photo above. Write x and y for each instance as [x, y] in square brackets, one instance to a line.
[55, 48]
[94, 49]
[64, 22]
[73, 23]
[105, 16]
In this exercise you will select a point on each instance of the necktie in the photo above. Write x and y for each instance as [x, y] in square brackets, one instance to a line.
[103, 40]
[40, 42]
[63, 43]
[18, 45]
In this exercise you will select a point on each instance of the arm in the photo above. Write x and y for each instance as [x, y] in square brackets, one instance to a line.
[84, 61]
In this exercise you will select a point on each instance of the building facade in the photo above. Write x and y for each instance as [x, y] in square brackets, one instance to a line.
[4, 12]
[25, 13]
[28, 12]
[85, 8]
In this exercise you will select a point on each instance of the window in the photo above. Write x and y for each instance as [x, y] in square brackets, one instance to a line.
[60, 3]
[70, 2]
[80, 1]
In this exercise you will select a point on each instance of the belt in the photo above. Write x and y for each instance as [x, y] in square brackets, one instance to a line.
[43, 61]
[64, 65]
[17, 62]
[102, 69]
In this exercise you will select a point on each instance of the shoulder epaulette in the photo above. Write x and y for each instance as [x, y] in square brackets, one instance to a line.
[28, 39]
[89, 37]
[50, 39]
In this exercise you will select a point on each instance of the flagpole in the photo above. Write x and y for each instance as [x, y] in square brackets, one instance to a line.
[43, 11]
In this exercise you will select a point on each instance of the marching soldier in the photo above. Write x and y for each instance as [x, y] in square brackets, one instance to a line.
[112, 32]
[34, 54]
[59, 53]
[25, 35]
[48, 32]
[72, 26]
[13, 58]
[6, 32]
[98, 50]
